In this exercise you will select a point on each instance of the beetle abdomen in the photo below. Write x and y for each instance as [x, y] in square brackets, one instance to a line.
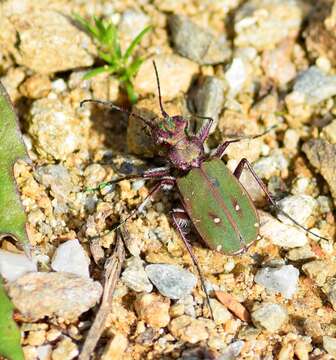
[219, 207]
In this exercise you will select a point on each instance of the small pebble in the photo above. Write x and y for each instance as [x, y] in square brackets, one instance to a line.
[115, 349]
[65, 349]
[191, 330]
[172, 281]
[232, 351]
[329, 344]
[283, 280]
[302, 253]
[135, 277]
[70, 257]
[280, 234]
[269, 316]
[153, 309]
[66, 295]
[299, 207]
[319, 270]
[220, 313]
[236, 76]
[12, 265]
[271, 165]
[44, 352]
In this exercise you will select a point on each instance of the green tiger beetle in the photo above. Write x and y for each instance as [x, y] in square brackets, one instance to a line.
[212, 198]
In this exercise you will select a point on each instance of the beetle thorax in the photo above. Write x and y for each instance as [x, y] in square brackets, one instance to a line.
[188, 153]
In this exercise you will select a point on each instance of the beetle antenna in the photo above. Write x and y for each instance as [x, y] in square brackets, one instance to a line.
[112, 106]
[164, 114]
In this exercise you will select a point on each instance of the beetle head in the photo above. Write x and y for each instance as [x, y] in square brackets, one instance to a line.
[170, 130]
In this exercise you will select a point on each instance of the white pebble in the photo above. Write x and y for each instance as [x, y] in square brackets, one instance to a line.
[12, 265]
[70, 257]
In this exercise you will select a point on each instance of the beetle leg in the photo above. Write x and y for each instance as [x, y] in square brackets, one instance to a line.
[155, 173]
[219, 152]
[204, 131]
[180, 218]
[237, 173]
[164, 183]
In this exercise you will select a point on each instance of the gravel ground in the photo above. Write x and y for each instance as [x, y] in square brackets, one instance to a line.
[249, 65]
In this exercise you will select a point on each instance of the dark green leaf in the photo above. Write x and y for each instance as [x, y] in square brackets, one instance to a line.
[132, 95]
[134, 67]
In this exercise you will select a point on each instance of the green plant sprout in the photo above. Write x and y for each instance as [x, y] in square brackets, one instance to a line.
[122, 65]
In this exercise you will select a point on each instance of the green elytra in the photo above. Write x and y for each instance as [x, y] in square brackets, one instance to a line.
[219, 207]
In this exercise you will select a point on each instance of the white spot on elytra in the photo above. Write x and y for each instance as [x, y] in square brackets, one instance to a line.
[219, 248]
[237, 207]
[256, 224]
[216, 220]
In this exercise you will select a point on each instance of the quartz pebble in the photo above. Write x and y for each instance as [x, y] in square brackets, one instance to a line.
[232, 351]
[12, 265]
[153, 309]
[135, 277]
[280, 234]
[171, 280]
[271, 165]
[269, 316]
[283, 280]
[196, 43]
[66, 295]
[70, 257]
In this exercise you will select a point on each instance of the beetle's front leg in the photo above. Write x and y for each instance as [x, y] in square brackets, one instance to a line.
[181, 221]
[237, 173]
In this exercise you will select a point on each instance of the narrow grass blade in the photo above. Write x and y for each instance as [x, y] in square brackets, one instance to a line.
[135, 42]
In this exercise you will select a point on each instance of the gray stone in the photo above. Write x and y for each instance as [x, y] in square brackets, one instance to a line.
[331, 292]
[49, 42]
[64, 295]
[171, 280]
[283, 280]
[315, 85]
[208, 99]
[232, 351]
[322, 156]
[269, 316]
[134, 276]
[195, 43]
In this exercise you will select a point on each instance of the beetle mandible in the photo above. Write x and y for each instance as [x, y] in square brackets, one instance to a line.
[212, 197]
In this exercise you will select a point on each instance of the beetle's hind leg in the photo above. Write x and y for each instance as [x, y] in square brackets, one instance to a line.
[237, 173]
[181, 221]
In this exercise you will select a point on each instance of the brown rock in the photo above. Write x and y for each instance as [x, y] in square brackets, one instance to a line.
[36, 86]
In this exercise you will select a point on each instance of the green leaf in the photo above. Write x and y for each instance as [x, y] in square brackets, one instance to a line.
[12, 216]
[135, 42]
[87, 26]
[134, 67]
[9, 332]
[132, 95]
[99, 70]
[106, 57]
